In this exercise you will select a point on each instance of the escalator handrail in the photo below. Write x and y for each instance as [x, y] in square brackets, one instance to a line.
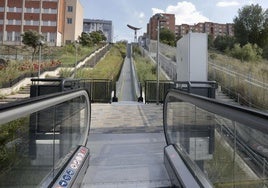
[249, 117]
[246, 116]
[13, 111]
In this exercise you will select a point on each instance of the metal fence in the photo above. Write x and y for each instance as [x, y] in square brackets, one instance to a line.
[150, 90]
[100, 90]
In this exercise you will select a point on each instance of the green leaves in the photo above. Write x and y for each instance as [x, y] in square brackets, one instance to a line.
[32, 38]
[90, 39]
[251, 24]
[167, 37]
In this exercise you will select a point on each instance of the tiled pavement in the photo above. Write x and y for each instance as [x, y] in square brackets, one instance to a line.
[126, 117]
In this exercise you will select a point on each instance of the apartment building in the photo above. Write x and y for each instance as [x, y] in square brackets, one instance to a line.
[168, 21]
[47, 17]
[213, 29]
[106, 26]
[73, 26]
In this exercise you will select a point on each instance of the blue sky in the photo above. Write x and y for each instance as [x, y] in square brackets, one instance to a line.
[138, 12]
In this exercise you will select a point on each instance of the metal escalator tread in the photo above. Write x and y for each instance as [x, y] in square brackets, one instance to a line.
[126, 160]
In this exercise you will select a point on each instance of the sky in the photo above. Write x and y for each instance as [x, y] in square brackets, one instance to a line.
[138, 12]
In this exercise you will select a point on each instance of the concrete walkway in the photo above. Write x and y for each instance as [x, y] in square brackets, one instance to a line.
[126, 145]
[126, 115]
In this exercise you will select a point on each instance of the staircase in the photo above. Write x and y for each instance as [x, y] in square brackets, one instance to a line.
[23, 93]
[223, 97]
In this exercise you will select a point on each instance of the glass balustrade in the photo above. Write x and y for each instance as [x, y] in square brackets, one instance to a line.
[39, 136]
[227, 145]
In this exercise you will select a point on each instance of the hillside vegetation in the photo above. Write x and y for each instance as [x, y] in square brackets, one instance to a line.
[247, 81]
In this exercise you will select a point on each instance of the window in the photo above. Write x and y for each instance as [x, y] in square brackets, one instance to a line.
[45, 23]
[68, 42]
[36, 23]
[36, 10]
[53, 11]
[17, 36]
[28, 22]
[11, 9]
[9, 36]
[18, 22]
[46, 10]
[53, 23]
[70, 8]
[28, 10]
[69, 20]
[1, 9]
[10, 22]
[52, 37]
[1, 36]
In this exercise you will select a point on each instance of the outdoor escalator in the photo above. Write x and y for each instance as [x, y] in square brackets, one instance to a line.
[44, 143]
[43, 140]
[214, 144]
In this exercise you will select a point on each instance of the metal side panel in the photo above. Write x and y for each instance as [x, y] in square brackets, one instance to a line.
[179, 174]
[72, 175]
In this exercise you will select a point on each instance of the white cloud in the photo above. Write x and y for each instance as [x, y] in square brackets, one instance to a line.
[185, 13]
[141, 15]
[227, 3]
[156, 10]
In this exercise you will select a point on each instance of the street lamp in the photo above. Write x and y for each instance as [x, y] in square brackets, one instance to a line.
[75, 69]
[40, 44]
[159, 19]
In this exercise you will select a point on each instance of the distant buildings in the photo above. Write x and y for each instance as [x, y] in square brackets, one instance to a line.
[214, 29]
[152, 25]
[59, 21]
[105, 26]
[73, 21]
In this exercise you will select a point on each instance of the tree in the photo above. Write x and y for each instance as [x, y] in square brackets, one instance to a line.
[167, 37]
[222, 43]
[103, 37]
[32, 38]
[251, 25]
[210, 42]
[85, 39]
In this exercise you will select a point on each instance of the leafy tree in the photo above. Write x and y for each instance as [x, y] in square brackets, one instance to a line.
[85, 39]
[222, 43]
[103, 37]
[32, 38]
[95, 37]
[167, 37]
[210, 42]
[251, 25]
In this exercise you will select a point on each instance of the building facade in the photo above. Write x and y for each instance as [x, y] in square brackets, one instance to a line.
[73, 26]
[106, 26]
[168, 22]
[213, 29]
[47, 17]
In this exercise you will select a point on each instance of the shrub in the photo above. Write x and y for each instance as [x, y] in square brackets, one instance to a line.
[248, 52]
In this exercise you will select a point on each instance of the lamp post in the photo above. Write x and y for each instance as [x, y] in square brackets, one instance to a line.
[159, 16]
[40, 43]
[75, 69]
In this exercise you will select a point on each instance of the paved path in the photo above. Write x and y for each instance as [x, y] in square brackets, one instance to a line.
[126, 117]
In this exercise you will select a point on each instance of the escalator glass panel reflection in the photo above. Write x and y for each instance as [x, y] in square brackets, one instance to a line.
[227, 152]
[34, 148]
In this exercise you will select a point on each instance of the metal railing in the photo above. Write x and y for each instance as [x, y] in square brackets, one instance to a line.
[221, 144]
[40, 135]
